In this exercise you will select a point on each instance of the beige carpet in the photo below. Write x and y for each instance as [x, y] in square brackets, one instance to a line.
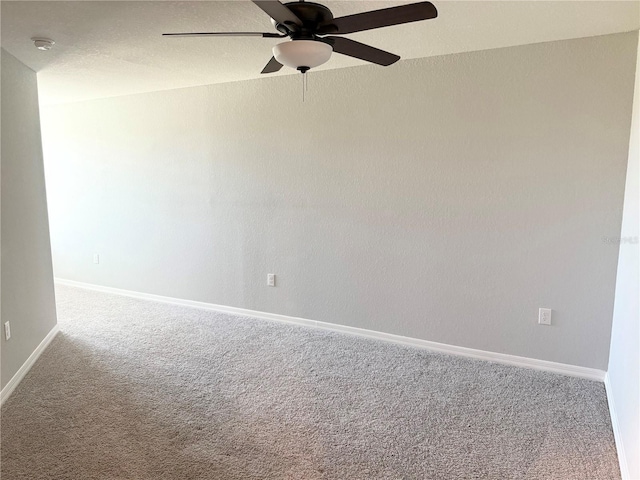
[138, 390]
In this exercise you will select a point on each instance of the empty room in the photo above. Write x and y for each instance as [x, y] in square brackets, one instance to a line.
[356, 239]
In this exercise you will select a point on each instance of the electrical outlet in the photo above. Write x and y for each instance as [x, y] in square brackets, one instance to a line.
[96, 258]
[271, 279]
[544, 316]
[7, 330]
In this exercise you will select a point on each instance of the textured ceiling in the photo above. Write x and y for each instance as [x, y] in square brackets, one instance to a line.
[113, 48]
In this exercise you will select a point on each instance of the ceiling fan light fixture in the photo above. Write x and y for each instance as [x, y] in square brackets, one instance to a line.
[302, 54]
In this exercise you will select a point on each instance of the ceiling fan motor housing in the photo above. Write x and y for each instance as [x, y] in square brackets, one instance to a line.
[312, 15]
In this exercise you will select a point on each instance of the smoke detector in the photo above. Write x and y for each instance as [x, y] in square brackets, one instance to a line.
[43, 43]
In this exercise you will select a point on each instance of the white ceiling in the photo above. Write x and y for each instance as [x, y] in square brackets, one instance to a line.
[109, 48]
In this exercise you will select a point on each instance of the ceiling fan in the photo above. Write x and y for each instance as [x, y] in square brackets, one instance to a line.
[311, 29]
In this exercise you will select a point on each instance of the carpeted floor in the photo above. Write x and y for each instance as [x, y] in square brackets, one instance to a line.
[139, 390]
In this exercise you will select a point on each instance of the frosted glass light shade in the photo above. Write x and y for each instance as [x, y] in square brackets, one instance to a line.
[302, 53]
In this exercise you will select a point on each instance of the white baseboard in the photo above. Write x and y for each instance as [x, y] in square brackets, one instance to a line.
[622, 457]
[560, 368]
[26, 366]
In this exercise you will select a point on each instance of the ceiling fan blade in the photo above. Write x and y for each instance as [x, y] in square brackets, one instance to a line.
[272, 67]
[385, 17]
[225, 34]
[279, 12]
[349, 47]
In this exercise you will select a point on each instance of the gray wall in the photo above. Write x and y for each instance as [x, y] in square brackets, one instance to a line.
[27, 278]
[624, 357]
[444, 198]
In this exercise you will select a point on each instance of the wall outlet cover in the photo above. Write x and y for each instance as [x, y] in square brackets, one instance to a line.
[544, 316]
